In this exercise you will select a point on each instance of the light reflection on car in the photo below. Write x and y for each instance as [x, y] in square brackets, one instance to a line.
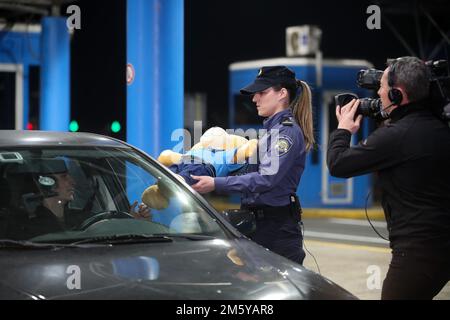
[69, 230]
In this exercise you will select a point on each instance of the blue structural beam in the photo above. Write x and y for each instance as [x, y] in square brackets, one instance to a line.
[55, 75]
[155, 72]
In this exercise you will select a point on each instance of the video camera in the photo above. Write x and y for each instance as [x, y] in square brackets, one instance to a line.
[368, 107]
[438, 99]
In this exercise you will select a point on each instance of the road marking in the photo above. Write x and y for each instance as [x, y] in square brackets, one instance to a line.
[348, 246]
[339, 236]
[354, 222]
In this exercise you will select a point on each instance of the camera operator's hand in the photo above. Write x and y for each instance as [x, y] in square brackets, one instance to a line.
[346, 116]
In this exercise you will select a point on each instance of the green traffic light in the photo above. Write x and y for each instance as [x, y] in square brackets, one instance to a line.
[115, 126]
[73, 126]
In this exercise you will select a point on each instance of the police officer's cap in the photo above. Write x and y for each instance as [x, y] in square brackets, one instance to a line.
[269, 77]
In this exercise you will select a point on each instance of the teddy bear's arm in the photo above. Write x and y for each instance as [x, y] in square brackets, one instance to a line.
[246, 151]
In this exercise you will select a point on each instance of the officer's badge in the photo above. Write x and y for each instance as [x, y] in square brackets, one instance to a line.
[283, 146]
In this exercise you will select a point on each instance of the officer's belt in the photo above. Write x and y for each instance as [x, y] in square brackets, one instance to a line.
[269, 212]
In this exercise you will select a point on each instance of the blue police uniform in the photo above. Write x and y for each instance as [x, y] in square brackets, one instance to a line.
[267, 192]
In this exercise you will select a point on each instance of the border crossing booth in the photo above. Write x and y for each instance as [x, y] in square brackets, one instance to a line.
[326, 77]
[20, 58]
[35, 75]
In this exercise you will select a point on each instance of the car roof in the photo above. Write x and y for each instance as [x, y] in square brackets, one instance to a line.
[18, 138]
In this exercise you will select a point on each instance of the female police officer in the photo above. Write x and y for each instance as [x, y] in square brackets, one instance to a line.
[285, 102]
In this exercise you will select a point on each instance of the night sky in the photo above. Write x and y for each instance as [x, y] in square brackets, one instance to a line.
[218, 33]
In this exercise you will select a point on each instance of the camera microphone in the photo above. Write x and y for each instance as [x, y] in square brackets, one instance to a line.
[383, 112]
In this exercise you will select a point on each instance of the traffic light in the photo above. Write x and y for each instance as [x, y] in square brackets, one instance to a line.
[116, 127]
[30, 126]
[73, 126]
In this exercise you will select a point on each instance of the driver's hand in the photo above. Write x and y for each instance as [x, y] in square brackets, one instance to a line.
[143, 212]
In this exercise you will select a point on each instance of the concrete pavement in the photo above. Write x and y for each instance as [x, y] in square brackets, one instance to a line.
[354, 267]
[346, 248]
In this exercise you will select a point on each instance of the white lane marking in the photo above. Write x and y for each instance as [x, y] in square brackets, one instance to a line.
[327, 243]
[338, 236]
[355, 222]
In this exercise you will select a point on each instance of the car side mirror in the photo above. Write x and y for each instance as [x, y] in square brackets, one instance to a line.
[243, 220]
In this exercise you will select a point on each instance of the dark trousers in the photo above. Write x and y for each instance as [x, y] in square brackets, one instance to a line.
[416, 276]
[282, 236]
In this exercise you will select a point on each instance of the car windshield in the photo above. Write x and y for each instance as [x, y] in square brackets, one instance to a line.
[75, 194]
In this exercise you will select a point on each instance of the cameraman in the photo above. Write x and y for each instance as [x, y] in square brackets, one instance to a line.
[411, 154]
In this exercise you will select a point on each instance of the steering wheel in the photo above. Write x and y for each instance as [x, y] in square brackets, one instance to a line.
[104, 216]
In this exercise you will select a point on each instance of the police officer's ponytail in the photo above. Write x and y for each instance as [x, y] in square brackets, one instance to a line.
[300, 101]
[302, 110]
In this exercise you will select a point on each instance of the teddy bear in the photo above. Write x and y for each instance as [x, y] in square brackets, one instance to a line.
[218, 154]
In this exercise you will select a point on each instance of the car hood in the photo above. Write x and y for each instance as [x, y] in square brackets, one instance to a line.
[183, 269]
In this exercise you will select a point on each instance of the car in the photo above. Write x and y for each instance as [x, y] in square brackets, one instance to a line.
[68, 230]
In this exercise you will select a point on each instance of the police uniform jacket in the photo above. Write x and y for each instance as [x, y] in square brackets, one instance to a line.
[279, 169]
[412, 156]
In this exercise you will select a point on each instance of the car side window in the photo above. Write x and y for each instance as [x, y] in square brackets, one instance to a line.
[60, 193]
[181, 214]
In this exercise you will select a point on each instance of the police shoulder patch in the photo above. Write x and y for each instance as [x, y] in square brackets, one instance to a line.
[283, 145]
[287, 122]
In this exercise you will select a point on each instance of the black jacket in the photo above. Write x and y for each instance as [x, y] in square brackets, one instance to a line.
[23, 227]
[412, 157]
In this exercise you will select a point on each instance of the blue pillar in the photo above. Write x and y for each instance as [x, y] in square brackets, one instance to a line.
[55, 75]
[155, 50]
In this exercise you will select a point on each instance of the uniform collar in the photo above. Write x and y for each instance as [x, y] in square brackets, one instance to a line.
[275, 119]
[403, 110]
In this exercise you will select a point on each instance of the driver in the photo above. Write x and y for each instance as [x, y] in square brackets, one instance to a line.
[53, 213]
